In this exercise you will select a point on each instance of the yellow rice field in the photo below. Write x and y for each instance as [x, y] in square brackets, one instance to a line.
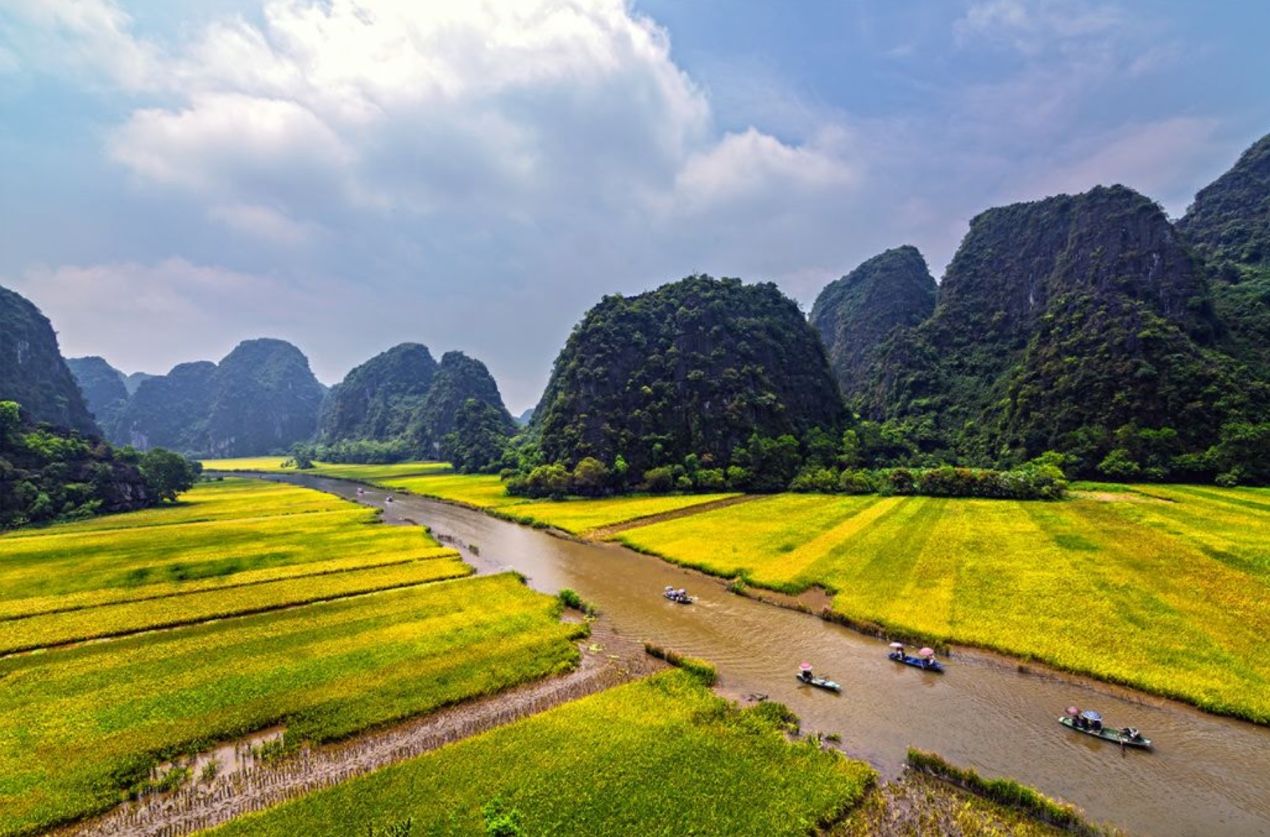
[1160, 587]
[80, 725]
[218, 531]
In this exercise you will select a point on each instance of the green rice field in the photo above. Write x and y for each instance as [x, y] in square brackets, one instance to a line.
[80, 725]
[657, 756]
[1158, 587]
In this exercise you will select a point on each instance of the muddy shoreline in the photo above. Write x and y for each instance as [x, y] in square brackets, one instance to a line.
[608, 659]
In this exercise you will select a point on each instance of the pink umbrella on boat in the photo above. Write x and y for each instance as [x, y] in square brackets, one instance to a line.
[897, 645]
[926, 652]
[804, 666]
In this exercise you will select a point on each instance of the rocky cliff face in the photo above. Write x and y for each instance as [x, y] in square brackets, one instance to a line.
[1058, 323]
[694, 367]
[32, 371]
[856, 313]
[102, 386]
[379, 399]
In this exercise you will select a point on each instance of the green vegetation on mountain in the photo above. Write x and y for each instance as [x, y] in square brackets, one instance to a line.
[168, 411]
[682, 384]
[131, 382]
[1229, 226]
[32, 371]
[1230, 218]
[1080, 324]
[262, 397]
[378, 399]
[102, 386]
[49, 473]
[459, 379]
[402, 404]
[857, 312]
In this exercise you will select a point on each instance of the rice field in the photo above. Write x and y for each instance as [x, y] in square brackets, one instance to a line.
[581, 517]
[218, 532]
[482, 491]
[119, 618]
[1160, 587]
[658, 756]
[365, 472]
[78, 726]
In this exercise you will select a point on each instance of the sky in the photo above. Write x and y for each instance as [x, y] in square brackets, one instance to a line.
[352, 174]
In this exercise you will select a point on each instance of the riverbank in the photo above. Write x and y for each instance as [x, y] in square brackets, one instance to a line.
[1168, 582]
[985, 712]
[607, 659]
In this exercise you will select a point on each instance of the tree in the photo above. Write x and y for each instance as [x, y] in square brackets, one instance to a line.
[590, 477]
[168, 474]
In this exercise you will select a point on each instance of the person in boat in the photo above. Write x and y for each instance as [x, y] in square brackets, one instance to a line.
[805, 674]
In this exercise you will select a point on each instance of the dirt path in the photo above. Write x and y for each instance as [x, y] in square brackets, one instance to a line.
[688, 511]
[607, 660]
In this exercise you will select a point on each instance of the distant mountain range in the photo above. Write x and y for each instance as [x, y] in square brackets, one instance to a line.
[1085, 324]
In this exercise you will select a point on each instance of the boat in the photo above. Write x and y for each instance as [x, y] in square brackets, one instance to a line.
[1090, 723]
[679, 596]
[805, 676]
[925, 658]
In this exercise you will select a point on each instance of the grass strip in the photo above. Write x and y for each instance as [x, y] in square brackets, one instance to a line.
[114, 620]
[661, 755]
[80, 726]
[1006, 792]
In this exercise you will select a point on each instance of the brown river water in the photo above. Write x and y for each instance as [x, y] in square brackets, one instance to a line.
[1207, 776]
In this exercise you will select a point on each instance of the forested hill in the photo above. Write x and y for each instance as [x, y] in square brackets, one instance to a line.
[1077, 323]
[261, 398]
[103, 388]
[694, 368]
[1229, 222]
[378, 399]
[459, 379]
[402, 403]
[32, 371]
[1229, 225]
[856, 313]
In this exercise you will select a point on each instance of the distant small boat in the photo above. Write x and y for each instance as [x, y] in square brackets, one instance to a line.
[925, 659]
[924, 663]
[819, 682]
[805, 676]
[1090, 723]
[678, 596]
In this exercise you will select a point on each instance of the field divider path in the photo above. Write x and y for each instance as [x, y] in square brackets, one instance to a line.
[604, 532]
[206, 804]
[33, 638]
[230, 585]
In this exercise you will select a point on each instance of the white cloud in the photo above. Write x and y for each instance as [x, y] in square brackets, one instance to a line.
[1154, 158]
[87, 38]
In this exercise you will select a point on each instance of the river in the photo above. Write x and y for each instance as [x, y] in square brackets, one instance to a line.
[1207, 775]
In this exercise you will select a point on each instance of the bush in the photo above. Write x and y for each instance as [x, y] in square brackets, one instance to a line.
[659, 480]
[815, 479]
[1005, 791]
[855, 482]
[701, 669]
